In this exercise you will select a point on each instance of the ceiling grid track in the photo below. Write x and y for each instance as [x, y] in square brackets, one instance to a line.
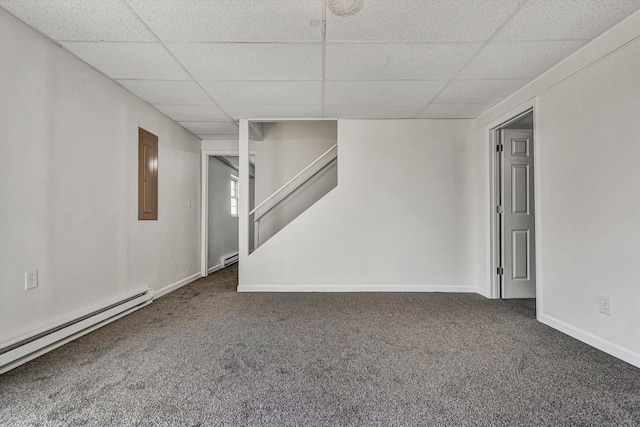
[205, 64]
[177, 61]
[489, 40]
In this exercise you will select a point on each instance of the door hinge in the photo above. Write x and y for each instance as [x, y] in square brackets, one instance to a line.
[499, 209]
[499, 148]
[500, 271]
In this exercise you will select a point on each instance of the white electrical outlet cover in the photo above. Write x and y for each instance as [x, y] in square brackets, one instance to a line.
[31, 279]
[605, 304]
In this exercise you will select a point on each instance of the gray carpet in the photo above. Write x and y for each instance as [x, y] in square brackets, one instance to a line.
[206, 355]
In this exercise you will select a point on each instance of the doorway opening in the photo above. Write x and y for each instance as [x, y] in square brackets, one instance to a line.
[220, 213]
[515, 260]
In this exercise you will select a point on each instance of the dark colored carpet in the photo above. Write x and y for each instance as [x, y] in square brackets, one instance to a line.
[206, 355]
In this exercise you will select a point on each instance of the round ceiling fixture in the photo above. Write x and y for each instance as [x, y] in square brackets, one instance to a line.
[345, 7]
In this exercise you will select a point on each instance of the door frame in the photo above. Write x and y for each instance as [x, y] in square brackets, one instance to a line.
[492, 136]
[204, 203]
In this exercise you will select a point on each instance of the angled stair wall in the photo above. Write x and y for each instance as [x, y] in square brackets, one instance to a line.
[296, 166]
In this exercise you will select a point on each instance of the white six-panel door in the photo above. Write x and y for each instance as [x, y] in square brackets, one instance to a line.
[518, 232]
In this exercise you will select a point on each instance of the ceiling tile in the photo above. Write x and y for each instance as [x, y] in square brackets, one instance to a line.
[386, 61]
[382, 92]
[264, 92]
[192, 113]
[167, 92]
[274, 112]
[566, 19]
[129, 60]
[80, 20]
[211, 128]
[251, 61]
[232, 20]
[523, 60]
[368, 111]
[421, 21]
[372, 61]
[478, 91]
[454, 111]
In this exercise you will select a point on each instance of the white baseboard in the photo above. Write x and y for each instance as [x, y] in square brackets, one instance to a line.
[356, 288]
[176, 285]
[483, 292]
[214, 268]
[600, 343]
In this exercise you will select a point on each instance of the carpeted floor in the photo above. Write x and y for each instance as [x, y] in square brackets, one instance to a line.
[206, 355]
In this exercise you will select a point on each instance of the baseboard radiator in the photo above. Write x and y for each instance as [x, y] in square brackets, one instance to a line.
[228, 260]
[26, 349]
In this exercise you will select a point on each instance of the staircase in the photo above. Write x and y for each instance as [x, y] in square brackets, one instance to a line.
[294, 197]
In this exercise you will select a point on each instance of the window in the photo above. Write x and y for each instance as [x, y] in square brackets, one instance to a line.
[234, 195]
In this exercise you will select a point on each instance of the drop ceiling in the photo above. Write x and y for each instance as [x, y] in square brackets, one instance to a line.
[208, 63]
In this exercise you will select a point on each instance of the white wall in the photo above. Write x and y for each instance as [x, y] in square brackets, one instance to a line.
[589, 153]
[392, 223]
[68, 188]
[222, 145]
[223, 228]
[588, 190]
[286, 149]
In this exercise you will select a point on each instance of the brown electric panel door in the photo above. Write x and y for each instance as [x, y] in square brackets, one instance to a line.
[147, 175]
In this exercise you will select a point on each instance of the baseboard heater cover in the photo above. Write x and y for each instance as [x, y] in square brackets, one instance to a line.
[228, 260]
[24, 350]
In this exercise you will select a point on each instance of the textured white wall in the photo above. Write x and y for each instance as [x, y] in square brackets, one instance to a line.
[222, 145]
[589, 154]
[392, 223]
[68, 188]
[588, 190]
[288, 148]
